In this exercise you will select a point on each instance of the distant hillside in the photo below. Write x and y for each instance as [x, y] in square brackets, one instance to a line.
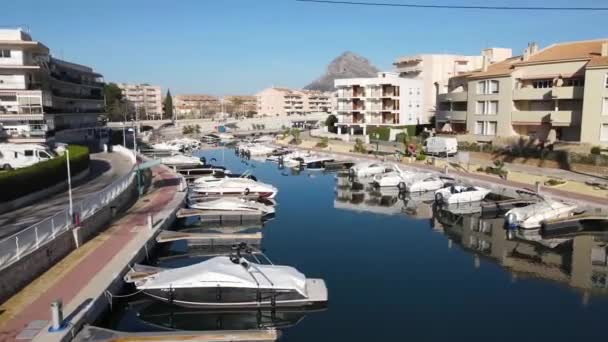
[347, 65]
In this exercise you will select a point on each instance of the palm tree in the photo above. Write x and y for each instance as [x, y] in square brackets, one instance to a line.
[236, 103]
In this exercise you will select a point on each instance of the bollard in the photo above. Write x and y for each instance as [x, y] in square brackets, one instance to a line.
[538, 187]
[56, 316]
[150, 222]
[445, 169]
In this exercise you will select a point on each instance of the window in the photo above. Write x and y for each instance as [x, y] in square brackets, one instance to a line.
[5, 53]
[574, 82]
[542, 84]
[487, 87]
[486, 108]
[485, 127]
[604, 133]
[479, 127]
[28, 153]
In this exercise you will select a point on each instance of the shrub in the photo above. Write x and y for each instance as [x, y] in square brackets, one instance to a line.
[596, 150]
[420, 156]
[20, 182]
[359, 146]
[323, 143]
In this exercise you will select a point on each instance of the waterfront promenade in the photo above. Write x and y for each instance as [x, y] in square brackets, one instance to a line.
[81, 279]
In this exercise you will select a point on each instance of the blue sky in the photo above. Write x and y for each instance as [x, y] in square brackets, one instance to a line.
[241, 46]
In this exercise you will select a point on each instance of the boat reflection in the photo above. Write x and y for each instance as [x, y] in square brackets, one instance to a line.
[580, 262]
[162, 316]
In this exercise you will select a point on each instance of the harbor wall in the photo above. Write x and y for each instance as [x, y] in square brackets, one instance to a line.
[16, 276]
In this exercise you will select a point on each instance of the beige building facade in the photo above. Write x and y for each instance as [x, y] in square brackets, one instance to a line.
[145, 99]
[196, 105]
[276, 101]
[435, 71]
[557, 93]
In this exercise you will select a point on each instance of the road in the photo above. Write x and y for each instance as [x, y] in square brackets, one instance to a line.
[104, 169]
[384, 146]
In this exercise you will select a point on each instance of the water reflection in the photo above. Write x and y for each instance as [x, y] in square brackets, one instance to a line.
[161, 316]
[580, 262]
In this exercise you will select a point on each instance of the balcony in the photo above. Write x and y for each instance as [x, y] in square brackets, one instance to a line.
[446, 115]
[532, 94]
[567, 92]
[461, 96]
[555, 118]
[410, 69]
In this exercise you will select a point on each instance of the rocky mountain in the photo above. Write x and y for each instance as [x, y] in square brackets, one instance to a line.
[347, 65]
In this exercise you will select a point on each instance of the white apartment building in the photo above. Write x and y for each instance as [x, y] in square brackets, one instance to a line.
[386, 100]
[41, 95]
[196, 105]
[435, 71]
[145, 99]
[284, 102]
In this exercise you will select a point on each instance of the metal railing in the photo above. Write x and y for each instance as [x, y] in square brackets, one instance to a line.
[28, 240]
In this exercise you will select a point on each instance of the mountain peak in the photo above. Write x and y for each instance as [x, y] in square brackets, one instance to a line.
[347, 65]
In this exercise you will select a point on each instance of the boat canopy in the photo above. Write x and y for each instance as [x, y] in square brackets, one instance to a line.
[221, 271]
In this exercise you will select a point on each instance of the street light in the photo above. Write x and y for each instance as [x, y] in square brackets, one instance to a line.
[67, 158]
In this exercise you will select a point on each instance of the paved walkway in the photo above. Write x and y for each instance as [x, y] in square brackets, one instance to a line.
[84, 274]
[105, 168]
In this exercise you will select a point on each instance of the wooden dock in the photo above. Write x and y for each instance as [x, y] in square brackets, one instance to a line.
[221, 216]
[209, 239]
[95, 334]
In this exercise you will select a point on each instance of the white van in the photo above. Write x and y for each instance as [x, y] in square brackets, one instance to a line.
[14, 156]
[440, 146]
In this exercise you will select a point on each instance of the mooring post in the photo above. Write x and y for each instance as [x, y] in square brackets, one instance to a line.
[150, 222]
[56, 315]
[538, 187]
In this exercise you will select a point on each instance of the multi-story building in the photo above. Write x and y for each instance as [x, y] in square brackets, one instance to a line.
[435, 70]
[41, 95]
[557, 93]
[241, 104]
[317, 102]
[385, 100]
[196, 105]
[145, 99]
[282, 102]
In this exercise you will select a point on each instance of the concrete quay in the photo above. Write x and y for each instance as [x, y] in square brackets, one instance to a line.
[84, 279]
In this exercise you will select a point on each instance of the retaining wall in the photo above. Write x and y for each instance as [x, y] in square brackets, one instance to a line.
[16, 276]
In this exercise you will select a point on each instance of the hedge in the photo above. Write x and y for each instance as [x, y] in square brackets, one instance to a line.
[20, 182]
[385, 132]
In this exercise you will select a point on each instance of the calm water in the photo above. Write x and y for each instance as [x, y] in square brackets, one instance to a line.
[394, 276]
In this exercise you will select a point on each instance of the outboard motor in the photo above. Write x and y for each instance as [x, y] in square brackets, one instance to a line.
[511, 221]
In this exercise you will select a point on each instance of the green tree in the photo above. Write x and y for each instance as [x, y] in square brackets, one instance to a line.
[115, 106]
[168, 106]
[330, 122]
[295, 133]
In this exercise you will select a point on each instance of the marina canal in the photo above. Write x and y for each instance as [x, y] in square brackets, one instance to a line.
[395, 273]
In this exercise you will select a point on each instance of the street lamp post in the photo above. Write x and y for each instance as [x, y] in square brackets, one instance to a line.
[67, 158]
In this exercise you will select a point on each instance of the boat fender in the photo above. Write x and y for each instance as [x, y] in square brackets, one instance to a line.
[247, 191]
[439, 198]
[401, 186]
[203, 160]
[213, 159]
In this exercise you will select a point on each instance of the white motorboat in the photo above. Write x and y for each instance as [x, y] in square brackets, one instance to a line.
[427, 183]
[312, 162]
[394, 178]
[532, 216]
[234, 282]
[370, 169]
[236, 186]
[460, 194]
[217, 176]
[233, 204]
[181, 160]
[256, 149]
[163, 146]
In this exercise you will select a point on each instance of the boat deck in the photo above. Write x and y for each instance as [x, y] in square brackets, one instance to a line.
[221, 216]
[209, 239]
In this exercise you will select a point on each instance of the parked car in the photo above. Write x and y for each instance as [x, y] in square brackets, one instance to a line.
[440, 146]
